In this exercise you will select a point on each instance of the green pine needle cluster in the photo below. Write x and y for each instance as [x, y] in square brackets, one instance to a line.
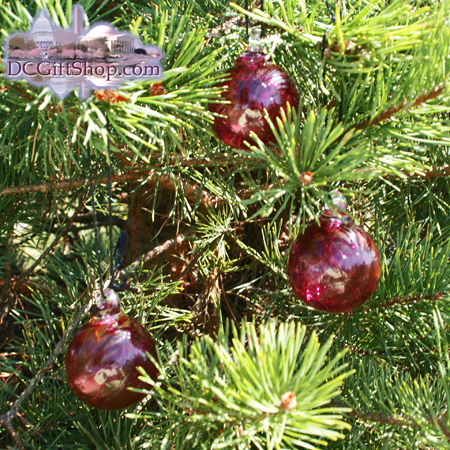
[227, 395]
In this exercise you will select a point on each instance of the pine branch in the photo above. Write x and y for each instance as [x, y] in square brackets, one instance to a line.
[404, 301]
[166, 246]
[401, 421]
[254, 379]
[67, 184]
[388, 113]
[442, 172]
[382, 418]
[192, 191]
[6, 421]
[164, 180]
[379, 54]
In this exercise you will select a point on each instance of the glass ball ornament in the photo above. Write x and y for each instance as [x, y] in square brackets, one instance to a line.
[334, 266]
[103, 356]
[255, 83]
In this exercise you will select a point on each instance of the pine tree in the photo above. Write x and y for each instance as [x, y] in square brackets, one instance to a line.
[207, 231]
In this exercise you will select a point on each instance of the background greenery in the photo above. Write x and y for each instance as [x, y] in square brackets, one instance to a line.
[216, 226]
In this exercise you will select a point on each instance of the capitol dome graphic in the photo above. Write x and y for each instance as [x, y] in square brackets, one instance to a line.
[42, 32]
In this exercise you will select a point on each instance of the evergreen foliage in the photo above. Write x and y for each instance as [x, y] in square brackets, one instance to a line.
[244, 364]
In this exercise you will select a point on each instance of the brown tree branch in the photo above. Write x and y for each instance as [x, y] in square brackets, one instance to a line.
[68, 184]
[442, 172]
[404, 301]
[126, 272]
[388, 113]
[6, 421]
[382, 418]
[400, 420]
[192, 191]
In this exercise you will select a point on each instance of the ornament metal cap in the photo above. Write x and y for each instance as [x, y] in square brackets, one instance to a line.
[108, 302]
[337, 201]
[254, 41]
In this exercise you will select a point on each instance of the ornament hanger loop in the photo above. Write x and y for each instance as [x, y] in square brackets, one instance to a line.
[120, 251]
[263, 28]
[94, 211]
[330, 12]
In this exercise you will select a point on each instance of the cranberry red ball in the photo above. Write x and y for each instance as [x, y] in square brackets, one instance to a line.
[334, 267]
[102, 361]
[255, 83]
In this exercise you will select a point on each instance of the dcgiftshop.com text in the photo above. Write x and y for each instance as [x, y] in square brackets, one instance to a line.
[79, 68]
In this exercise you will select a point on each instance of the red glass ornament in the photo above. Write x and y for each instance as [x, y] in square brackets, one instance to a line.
[103, 356]
[334, 267]
[255, 83]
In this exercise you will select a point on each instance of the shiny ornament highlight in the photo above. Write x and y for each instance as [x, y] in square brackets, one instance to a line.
[103, 356]
[336, 266]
